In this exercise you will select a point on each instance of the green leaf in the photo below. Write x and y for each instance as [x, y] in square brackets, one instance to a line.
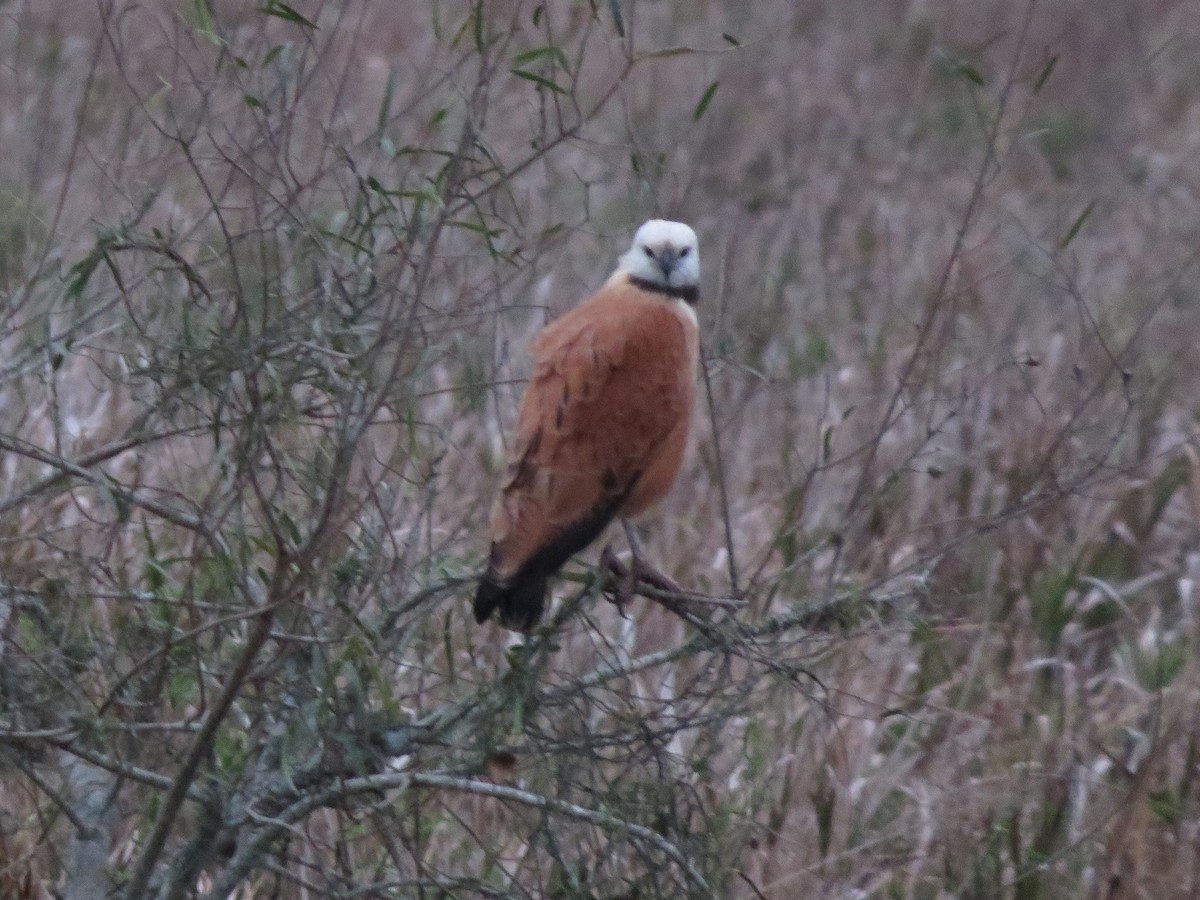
[1052, 603]
[705, 99]
[1045, 74]
[206, 22]
[554, 53]
[477, 227]
[1157, 667]
[970, 73]
[252, 101]
[281, 10]
[385, 107]
[1166, 805]
[666, 53]
[614, 7]
[462, 31]
[1076, 225]
[82, 271]
[423, 196]
[539, 80]
[958, 67]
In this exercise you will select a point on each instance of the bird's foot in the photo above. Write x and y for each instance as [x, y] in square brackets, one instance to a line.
[647, 574]
[623, 580]
[621, 583]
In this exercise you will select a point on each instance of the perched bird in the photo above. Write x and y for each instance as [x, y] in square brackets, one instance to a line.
[604, 422]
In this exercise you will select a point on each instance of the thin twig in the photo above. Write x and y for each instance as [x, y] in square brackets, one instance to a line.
[718, 460]
[251, 850]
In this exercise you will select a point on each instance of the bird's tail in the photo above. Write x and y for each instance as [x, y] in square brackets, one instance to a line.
[520, 600]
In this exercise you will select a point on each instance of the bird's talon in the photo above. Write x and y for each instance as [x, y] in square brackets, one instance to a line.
[649, 575]
[621, 583]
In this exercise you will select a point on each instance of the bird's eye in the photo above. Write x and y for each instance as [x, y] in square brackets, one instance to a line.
[648, 252]
[684, 252]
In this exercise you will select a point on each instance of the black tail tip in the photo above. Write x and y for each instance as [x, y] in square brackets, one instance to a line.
[520, 602]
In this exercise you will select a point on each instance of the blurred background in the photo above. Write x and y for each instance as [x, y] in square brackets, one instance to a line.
[268, 275]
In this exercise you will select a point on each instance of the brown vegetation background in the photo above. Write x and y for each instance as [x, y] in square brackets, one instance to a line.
[267, 276]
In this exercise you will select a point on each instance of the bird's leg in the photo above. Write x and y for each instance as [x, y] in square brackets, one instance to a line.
[622, 582]
[640, 570]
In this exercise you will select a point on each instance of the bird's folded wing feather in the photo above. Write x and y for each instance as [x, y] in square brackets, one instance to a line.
[611, 382]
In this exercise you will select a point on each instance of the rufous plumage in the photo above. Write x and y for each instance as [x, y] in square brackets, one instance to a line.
[604, 422]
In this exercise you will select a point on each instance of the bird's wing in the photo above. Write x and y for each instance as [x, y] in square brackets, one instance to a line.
[613, 381]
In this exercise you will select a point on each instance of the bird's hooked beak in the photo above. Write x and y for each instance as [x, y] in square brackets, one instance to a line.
[667, 258]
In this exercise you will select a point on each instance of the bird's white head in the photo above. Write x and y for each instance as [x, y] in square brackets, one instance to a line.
[664, 257]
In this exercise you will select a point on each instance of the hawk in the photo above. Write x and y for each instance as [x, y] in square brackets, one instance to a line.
[604, 422]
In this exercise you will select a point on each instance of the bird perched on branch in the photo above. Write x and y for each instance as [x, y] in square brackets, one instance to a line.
[604, 422]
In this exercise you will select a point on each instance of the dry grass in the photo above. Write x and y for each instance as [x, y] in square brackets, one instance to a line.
[949, 314]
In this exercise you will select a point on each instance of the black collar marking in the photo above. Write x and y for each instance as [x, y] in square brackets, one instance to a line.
[689, 295]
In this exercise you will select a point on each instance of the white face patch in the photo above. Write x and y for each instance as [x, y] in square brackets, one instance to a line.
[664, 253]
